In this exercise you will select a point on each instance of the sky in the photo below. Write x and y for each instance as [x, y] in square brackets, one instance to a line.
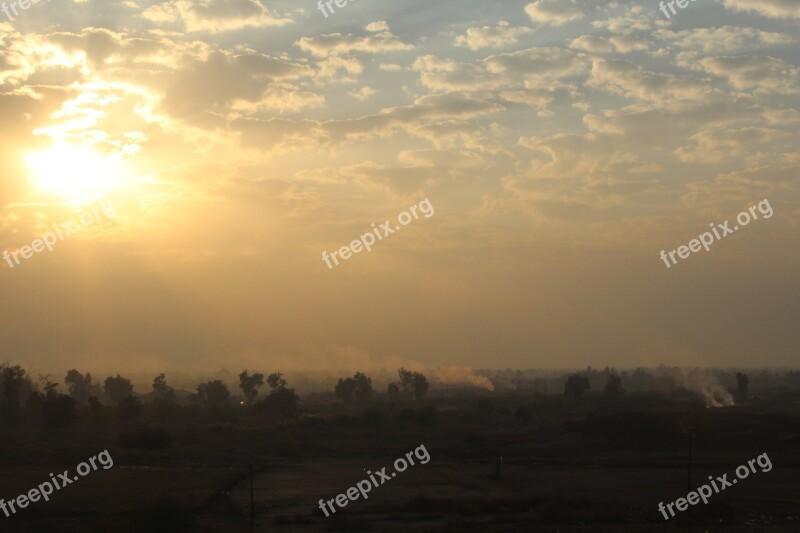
[561, 145]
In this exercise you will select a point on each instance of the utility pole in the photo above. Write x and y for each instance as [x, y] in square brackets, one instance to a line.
[252, 501]
[689, 480]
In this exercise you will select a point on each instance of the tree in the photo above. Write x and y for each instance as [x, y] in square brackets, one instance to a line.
[97, 412]
[742, 385]
[413, 383]
[79, 385]
[282, 401]
[14, 387]
[117, 388]
[614, 386]
[129, 409]
[357, 388]
[214, 394]
[393, 389]
[161, 389]
[576, 386]
[164, 406]
[250, 385]
[276, 381]
[58, 410]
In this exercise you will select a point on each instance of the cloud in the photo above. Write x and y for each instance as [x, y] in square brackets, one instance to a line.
[441, 74]
[554, 12]
[768, 8]
[491, 37]
[762, 74]
[377, 26]
[593, 44]
[380, 41]
[426, 112]
[725, 39]
[538, 62]
[716, 146]
[363, 93]
[225, 78]
[625, 78]
[214, 16]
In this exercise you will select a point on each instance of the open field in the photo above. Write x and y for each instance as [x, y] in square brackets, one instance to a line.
[606, 470]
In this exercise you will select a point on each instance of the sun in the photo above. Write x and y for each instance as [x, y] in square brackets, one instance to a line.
[73, 172]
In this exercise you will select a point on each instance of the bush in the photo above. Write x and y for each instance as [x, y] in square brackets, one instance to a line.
[145, 438]
[282, 403]
[129, 409]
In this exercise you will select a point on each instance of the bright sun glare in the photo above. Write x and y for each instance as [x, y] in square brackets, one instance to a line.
[73, 172]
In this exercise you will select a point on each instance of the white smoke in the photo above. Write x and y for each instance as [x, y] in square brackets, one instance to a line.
[702, 382]
[460, 375]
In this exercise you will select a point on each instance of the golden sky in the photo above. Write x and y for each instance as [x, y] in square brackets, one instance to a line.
[562, 143]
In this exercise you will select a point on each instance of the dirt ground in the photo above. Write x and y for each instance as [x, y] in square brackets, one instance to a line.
[601, 471]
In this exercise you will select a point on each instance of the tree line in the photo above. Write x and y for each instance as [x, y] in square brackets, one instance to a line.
[24, 402]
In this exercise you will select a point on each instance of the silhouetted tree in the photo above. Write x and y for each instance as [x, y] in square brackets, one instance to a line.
[164, 405]
[282, 401]
[14, 388]
[393, 389]
[117, 388]
[413, 383]
[357, 388]
[58, 410]
[276, 381]
[161, 389]
[129, 409]
[213, 394]
[614, 386]
[79, 385]
[250, 385]
[98, 415]
[742, 386]
[576, 385]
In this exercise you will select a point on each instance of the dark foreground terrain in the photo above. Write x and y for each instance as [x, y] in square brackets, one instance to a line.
[586, 465]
